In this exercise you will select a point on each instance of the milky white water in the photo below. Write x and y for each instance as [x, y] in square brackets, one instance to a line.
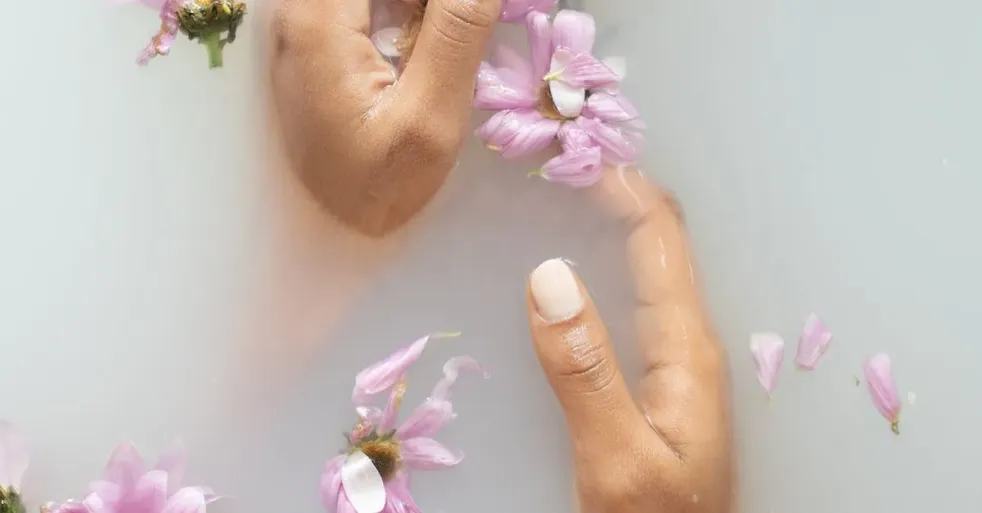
[162, 274]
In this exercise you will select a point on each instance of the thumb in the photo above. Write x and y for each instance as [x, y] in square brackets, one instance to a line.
[578, 359]
[443, 66]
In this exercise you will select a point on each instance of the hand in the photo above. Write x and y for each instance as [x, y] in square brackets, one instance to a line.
[373, 150]
[667, 449]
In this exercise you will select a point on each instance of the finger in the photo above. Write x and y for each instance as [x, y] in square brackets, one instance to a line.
[683, 392]
[576, 355]
[442, 70]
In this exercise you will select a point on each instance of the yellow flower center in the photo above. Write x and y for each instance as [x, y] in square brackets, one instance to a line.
[384, 453]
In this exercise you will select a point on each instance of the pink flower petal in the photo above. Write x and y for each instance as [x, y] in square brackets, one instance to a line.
[383, 375]
[344, 505]
[519, 68]
[186, 500]
[125, 467]
[330, 485]
[517, 133]
[516, 10]
[387, 421]
[768, 352]
[451, 371]
[66, 507]
[427, 454]
[812, 344]
[175, 463]
[14, 456]
[611, 108]
[362, 483]
[150, 493]
[502, 88]
[574, 30]
[577, 168]
[619, 146]
[584, 71]
[93, 503]
[108, 491]
[878, 372]
[398, 498]
[427, 419]
[540, 42]
[572, 137]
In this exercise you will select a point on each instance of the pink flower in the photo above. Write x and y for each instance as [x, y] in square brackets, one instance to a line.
[373, 474]
[128, 486]
[516, 10]
[812, 344]
[768, 353]
[883, 389]
[14, 460]
[561, 84]
[203, 20]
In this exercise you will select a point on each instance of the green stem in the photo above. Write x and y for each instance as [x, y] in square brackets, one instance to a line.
[213, 44]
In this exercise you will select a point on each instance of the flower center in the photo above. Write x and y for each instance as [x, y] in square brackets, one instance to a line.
[202, 17]
[547, 107]
[10, 501]
[384, 453]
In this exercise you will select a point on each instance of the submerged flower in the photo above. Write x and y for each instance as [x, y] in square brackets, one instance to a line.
[373, 473]
[883, 389]
[814, 341]
[14, 459]
[204, 20]
[562, 92]
[768, 352]
[128, 486]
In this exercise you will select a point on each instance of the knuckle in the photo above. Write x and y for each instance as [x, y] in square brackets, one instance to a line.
[589, 369]
[426, 143]
[458, 19]
[618, 490]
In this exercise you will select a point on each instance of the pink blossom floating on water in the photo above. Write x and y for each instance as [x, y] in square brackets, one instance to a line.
[768, 353]
[563, 92]
[373, 473]
[204, 20]
[14, 460]
[814, 341]
[128, 486]
[878, 372]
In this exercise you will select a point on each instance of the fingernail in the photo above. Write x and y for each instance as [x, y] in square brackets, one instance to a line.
[555, 291]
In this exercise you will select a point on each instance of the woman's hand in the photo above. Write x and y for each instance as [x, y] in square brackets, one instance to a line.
[372, 150]
[667, 448]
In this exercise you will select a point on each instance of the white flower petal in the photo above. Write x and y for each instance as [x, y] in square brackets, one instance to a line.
[362, 483]
[569, 100]
[385, 41]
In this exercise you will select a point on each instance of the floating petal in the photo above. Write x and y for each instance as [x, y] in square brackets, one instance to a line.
[427, 454]
[878, 372]
[768, 353]
[812, 344]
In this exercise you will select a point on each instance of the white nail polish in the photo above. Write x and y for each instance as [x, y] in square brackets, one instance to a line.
[556, 293]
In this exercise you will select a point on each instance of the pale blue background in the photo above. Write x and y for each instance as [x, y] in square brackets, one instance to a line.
[163, 276]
